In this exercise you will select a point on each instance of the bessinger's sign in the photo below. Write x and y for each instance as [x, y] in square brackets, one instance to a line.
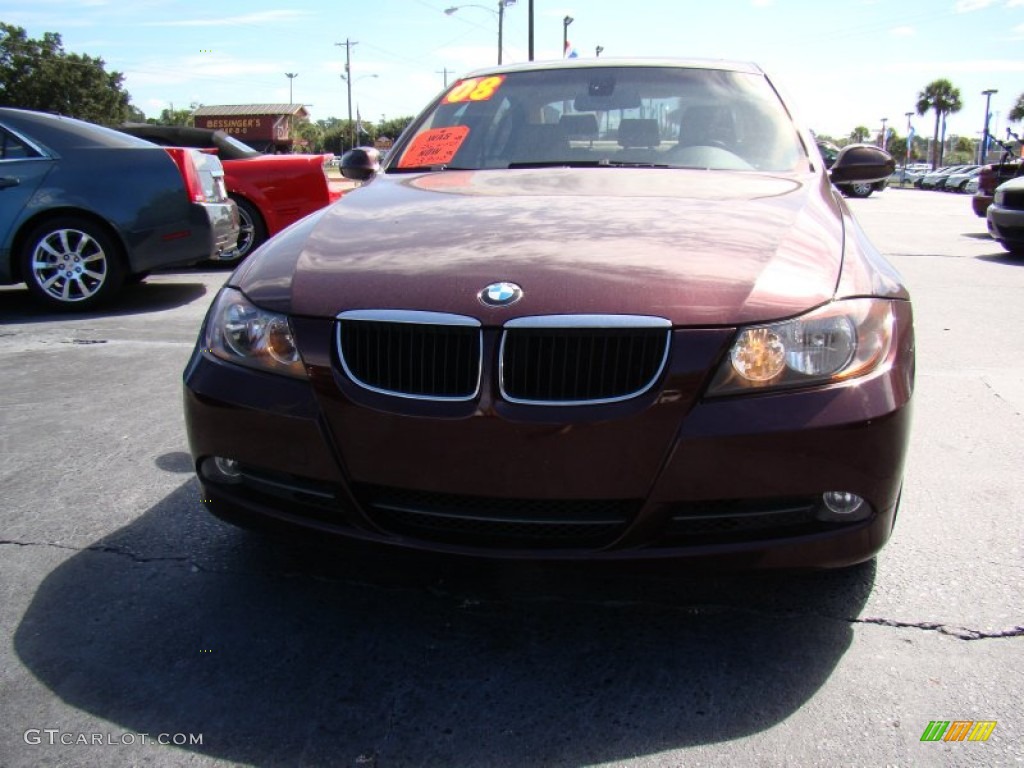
[247, 127]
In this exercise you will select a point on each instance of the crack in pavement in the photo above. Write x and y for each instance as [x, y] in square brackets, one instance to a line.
[464, 603]
[960, 633]
[107, 550]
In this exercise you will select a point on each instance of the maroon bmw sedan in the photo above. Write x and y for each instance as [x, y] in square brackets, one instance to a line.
[586, 309]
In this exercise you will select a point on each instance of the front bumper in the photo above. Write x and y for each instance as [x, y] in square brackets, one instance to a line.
[726, 482]
[1006, 225]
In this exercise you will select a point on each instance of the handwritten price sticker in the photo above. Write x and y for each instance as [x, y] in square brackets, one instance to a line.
[474, 89]
[434, 147]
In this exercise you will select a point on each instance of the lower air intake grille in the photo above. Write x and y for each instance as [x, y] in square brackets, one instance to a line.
[497, 523]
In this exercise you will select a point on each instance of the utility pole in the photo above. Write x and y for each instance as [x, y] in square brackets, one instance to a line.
[530, 23]
[884, 121]
[348, 82]
[445, 72]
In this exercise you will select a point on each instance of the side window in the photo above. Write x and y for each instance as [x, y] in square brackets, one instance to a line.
[13, 148]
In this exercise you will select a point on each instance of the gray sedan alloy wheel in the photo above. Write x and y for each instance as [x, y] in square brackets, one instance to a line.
[71, 263]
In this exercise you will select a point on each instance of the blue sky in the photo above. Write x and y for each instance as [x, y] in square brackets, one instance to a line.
[842, 63]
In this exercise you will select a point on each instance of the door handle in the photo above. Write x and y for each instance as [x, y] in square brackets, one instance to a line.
[8, 181]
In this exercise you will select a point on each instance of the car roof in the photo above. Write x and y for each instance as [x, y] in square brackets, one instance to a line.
[62, 133]
[609, 63]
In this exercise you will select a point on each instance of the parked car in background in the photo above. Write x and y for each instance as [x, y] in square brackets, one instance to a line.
[272, 191]
[1006, 216]
[992, 176]
[957, 181]
[829, 153]
[972, 185]
[84, 208]
[586, 309]
[935, 179]
[909, 174]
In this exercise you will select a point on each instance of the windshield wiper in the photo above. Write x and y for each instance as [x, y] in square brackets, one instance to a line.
[586, 164]
[427, 169]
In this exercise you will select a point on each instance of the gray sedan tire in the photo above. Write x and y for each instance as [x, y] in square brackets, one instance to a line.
[857, 189]
[72, 263]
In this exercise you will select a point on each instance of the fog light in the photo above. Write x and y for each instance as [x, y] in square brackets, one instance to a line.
[843, 506]
[220, 469]
[229, 467]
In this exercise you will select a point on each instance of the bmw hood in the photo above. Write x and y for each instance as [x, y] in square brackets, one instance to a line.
[695, 247]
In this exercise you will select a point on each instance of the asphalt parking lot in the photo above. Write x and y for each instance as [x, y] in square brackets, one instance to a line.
[131, 617]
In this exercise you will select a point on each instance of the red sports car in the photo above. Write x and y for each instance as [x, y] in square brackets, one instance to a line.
[586, 309]
[272, 191]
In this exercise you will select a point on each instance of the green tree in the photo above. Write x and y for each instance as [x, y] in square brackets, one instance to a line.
[859, 134]
[944, 98]
[393, 128]
[173, 116]
[41, 75]
[311, 134]
[1017, 113]
[896, 146]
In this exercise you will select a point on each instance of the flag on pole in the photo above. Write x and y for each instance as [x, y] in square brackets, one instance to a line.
[359, 123]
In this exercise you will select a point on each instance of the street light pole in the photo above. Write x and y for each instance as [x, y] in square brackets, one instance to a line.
[598, 51]
[906, 158]
[565, 35]
[501, 25]
[884, 121]
[529, 23]
[291, 76]
[502, 4]
[984, 136]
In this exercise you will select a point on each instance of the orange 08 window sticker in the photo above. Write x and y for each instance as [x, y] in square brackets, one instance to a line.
[474, 89]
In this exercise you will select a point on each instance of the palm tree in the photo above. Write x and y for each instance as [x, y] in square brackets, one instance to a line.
[1017, 113]
[941, 96]
[859, 134]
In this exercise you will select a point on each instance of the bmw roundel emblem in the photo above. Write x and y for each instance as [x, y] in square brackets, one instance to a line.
[500, 294]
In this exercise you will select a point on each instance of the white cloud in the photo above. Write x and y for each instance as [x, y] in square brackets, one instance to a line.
[211, 66]
[966, 6]
[902, 31]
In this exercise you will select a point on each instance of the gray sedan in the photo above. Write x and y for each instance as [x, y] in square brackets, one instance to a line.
[83, 209]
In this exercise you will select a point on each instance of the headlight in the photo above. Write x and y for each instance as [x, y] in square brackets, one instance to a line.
[839, 341]
[242, 333]
[998, 196]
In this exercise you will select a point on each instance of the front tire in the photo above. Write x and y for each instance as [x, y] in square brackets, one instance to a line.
[72, 263]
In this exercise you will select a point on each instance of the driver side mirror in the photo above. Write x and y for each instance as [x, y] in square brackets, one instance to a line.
[360, 164]
[861, 162]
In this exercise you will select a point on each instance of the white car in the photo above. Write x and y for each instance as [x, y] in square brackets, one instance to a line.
[957, 182]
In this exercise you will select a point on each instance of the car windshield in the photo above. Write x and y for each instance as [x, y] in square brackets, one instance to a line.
[673, 117]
